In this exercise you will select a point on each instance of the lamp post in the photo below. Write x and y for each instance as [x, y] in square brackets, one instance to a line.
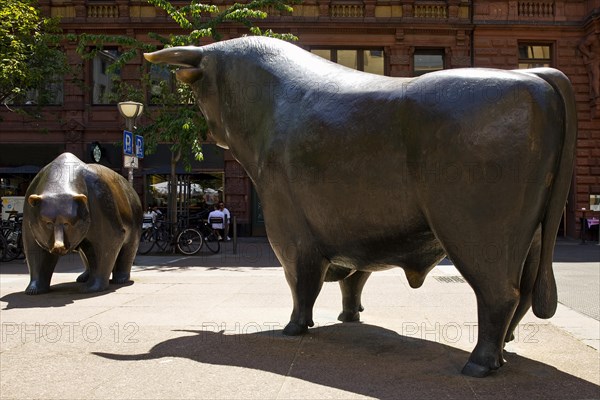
[130, 110]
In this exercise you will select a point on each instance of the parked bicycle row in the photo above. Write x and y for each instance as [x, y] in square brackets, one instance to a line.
[157, 235]
[11, 237]
[201, 230]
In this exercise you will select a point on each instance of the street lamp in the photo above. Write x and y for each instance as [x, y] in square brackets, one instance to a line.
[130, 110]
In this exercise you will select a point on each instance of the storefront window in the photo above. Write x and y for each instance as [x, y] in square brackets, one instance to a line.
[195, 192]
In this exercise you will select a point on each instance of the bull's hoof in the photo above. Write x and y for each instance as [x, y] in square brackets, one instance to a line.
[349, 316]
[96, 285]
[476, 370]
[294, 329]
[83, 277]
[35, 288]
[120, 279]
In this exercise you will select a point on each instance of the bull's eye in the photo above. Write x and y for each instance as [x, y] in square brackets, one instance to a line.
[49, 224]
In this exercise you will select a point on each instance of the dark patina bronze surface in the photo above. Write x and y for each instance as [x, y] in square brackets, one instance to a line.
[88, 208]
[359, 173]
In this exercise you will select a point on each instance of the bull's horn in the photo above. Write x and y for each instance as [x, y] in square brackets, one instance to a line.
[34, 200]
[185, 56]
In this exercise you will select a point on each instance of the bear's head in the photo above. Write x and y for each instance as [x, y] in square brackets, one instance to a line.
[60, 221]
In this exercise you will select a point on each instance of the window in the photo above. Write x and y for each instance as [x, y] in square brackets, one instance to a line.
[366, 60]
[534, 55]
[161, 82]
[50, 94]
[427, 60]
[104, 77]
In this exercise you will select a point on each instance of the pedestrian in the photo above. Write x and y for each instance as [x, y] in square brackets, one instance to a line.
[227, 219]
[215, 219]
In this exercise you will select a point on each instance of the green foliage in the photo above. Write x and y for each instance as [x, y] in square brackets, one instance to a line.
[176, 119]
[30, 58]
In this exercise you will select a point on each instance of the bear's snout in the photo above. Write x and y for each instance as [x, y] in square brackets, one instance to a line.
[59, 241]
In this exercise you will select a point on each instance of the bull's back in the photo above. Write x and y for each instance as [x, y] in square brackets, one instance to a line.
[458, 142]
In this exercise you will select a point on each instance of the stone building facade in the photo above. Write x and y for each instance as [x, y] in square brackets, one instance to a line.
[394, 37]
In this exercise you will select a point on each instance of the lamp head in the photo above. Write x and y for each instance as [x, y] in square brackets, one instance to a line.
[130, 109]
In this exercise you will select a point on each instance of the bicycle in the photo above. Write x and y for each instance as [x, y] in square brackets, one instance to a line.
[3, 246]
[188, 241]
[209, 237]
[12, 233]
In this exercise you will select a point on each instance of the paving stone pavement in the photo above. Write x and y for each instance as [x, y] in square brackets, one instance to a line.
[209, 327]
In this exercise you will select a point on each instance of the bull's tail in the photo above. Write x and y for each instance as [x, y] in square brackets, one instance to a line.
[545, 298]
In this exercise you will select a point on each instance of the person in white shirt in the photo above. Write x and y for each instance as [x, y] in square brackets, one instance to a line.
[227, 220]
[215, 219]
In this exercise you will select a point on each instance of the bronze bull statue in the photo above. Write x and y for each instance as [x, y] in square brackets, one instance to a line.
[360, 173]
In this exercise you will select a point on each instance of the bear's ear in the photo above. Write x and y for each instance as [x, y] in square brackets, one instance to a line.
[82, 198]
[34, 200]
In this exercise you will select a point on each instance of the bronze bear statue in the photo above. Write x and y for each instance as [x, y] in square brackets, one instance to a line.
[72, 206]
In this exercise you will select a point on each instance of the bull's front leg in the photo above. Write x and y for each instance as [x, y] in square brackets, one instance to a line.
[305, 276]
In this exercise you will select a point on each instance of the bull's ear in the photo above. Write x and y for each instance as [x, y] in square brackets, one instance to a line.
[82, 198]
[34, 200]
[188, 75]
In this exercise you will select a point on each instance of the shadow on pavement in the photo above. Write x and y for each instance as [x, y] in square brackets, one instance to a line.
[61, 295]
[370, 361]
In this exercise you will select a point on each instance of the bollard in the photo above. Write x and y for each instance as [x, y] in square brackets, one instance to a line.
[234, 219]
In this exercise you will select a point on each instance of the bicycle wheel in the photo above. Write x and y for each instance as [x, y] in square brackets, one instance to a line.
[3, 246]
[212, 242]
[146, 241]
[12, 246]
[189, 241]
[162, 238]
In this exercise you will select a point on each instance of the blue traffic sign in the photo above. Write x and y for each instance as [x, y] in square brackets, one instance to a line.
[127, 143]
[139, 146]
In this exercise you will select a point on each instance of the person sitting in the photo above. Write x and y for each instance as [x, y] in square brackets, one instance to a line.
[227, 214]
[215, 219]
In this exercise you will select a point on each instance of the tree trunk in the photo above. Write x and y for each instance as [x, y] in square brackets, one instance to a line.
[175, 156]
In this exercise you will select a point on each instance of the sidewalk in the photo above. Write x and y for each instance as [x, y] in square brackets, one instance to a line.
[209, 327]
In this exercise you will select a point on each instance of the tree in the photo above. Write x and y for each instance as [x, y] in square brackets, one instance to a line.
[181, 126]
[30, 59]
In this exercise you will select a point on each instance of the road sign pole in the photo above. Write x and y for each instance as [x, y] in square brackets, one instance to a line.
[128, 147]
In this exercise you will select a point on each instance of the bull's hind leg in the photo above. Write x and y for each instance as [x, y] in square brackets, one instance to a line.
[305, 274]
[493, 274]
[352, 288]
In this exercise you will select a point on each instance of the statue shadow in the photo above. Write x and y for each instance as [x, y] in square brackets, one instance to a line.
[370, 361]
[60, 295]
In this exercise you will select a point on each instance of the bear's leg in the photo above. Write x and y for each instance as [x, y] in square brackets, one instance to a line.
[122, 269]
[86, 274]
[41, 266]
[99, 268]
